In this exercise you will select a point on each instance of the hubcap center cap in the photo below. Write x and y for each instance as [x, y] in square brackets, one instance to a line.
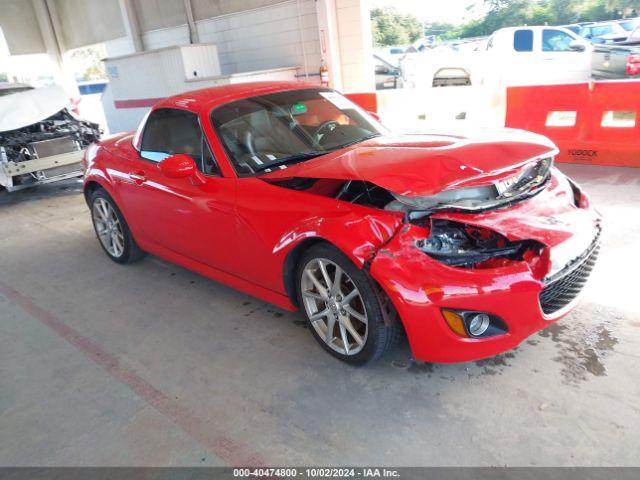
[333, 306]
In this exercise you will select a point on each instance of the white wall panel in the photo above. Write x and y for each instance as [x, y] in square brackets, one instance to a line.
[267, 37]
[204, 9]
[166, 37]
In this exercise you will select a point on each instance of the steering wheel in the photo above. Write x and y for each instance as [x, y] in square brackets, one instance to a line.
[329, 125]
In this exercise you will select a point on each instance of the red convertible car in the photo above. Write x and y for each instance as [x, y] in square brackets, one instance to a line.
[295, 195]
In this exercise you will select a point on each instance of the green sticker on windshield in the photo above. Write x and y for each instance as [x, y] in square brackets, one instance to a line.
[298, 108]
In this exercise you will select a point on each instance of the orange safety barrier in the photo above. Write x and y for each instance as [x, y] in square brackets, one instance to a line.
[595, 123]
[368, 101]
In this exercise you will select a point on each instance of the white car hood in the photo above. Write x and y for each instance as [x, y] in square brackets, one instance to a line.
[22, 109]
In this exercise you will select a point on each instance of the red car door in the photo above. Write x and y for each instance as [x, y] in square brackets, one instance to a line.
[194, 221]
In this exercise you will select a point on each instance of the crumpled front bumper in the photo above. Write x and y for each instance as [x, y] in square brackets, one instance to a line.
[420, 287]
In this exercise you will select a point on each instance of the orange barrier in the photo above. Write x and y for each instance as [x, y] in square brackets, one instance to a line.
[368, 101]
[594, 123]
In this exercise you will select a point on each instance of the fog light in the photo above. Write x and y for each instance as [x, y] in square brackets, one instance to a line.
[479, 324]
[474, 324]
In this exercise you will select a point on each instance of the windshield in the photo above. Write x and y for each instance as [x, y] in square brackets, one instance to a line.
[608, 29]
[272, 131]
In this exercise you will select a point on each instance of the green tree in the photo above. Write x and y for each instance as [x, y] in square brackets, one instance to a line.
[625, 8]
[511, 13]
[390, 27]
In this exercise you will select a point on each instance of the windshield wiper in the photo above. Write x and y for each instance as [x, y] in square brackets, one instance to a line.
[286, 160]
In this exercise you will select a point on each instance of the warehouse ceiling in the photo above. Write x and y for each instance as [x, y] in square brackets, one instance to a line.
[20, 27]
[85, 22]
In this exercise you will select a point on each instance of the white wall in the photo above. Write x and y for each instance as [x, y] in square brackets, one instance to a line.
[268, 37]
[262, 38]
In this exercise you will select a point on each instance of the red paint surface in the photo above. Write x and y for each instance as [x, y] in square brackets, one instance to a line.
[587, 141]
[229, 450]
[241, 231]
[425, 164]
[137, 103]
[368, 100]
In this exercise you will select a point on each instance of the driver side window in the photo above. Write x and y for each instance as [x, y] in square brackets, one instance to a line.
[171, 131]
[556, 41]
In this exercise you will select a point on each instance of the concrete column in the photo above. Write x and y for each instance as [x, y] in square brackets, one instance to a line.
[50, 32]
[131, 25]
[346, 44]
[356, 45]
[193, 31]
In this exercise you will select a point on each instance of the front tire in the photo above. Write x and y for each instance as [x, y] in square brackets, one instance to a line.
[112, 230]
[341, 306]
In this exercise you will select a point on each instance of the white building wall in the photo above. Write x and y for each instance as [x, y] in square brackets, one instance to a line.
[268, 37]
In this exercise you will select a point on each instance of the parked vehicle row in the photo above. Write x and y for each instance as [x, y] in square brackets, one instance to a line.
[527, 56]
[511, 56]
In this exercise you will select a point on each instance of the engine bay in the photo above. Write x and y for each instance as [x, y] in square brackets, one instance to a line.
[29, 143]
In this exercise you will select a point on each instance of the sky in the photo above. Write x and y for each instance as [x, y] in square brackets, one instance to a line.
[450, 11]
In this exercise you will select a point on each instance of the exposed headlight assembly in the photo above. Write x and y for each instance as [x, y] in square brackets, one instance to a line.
[461, 245]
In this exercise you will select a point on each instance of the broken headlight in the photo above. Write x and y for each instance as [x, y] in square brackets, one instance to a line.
[460, 245]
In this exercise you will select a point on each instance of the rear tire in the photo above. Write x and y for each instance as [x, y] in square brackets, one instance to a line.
[112, 230]
[344, 317]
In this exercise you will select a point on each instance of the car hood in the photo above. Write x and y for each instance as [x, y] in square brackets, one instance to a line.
[422, 165]
[22, 109]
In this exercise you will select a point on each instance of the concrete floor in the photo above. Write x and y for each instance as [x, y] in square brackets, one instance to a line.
[153, 365]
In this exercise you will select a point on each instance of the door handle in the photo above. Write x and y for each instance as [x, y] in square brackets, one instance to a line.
[138, 177]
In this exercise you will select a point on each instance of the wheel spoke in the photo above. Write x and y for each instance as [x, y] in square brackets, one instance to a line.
[314, 295]
[100, 214]
[317, 316]
[117, 244]
[345, 340]
[321, 290]
[349, 326]
[330, 324]
[350, 296]
[354, 314]
[337, 279]
[104, 207]
[325, 275]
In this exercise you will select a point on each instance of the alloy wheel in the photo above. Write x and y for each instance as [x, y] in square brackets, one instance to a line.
[334, 306]
[108, 227]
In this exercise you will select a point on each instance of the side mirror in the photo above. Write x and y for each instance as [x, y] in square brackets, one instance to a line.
[577, 46]
[181, 165]
[374, 115]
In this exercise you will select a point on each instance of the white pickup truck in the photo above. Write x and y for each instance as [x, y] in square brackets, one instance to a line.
[511, 56]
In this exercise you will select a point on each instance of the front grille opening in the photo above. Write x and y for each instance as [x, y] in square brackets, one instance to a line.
[563, 291]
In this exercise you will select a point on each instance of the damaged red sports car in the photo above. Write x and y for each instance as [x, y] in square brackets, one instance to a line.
[297, 196]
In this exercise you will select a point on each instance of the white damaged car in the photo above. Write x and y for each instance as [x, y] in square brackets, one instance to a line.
[41, 139]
